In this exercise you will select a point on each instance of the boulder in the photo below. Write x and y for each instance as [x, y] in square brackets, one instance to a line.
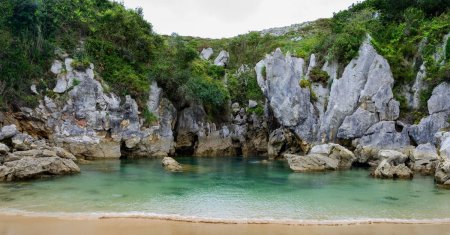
[31, 167]
[206, 53]
[322, 158]
[440, 99]
[388, 170]
[425, 159]
[8, 132]
[344, 156]
[444, 143]
[171, 164]
[22, 142]
[3, 149]
[310, 163]
[222, 59]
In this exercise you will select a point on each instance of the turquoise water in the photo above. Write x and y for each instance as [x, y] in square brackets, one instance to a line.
[227, 189]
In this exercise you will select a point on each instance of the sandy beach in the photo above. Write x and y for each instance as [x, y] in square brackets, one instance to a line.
[20, 225]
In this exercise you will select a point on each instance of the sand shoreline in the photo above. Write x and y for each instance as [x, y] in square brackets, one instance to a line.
[36, 225]
[187, 219]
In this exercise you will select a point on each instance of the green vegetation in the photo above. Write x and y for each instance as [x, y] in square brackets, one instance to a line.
[318, 75]
[244, 87]
[149, 117]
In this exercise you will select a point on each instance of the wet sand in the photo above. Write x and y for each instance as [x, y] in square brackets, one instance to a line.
[20, 225]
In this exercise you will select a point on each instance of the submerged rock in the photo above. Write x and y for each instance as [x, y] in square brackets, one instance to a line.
[171, 164]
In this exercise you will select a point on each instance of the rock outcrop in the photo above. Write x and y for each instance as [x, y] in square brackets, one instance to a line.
[222, 59]
[439, 110]
[91, 123]
[425, 159]
[32, 160]
[206, 53]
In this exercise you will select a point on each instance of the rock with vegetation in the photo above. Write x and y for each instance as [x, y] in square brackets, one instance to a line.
[206, 53]
[438, 119]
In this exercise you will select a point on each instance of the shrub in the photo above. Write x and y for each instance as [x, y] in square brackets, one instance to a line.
[258, 110]
[149, 117]
[318, 75]
[305, 83]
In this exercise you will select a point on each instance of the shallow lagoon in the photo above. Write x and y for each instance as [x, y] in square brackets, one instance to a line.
[227, 189]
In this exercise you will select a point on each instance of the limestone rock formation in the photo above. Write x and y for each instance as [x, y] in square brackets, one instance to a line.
[425, 159]
[206, 53]
[439, 110]
[222, 59]
[388, 170]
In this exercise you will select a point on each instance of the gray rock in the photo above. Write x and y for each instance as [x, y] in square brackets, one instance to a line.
[252, 104]
[8, 132]
[154, 98]
[22, 141]
[235, 107]
[206, 53]
[425, 159]
[34, 89]
[3, 149]
[312, 162]
[392, 157]
[442, 175]
[444, 150]
[281, 141]
[425, 131]
[222, 59]
[386, 135]
[290, 103]
[29, 168]
[356, 125]
[418, 86]
[189, 125]
[312, 64]
[440, 99]
[345, 92]
[171, 165]
[344, 156]
[57, 67]
[387, 170]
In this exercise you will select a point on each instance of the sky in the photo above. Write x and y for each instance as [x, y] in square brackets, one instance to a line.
[228, 18]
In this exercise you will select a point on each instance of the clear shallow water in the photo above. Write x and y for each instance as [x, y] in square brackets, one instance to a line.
[228, 189]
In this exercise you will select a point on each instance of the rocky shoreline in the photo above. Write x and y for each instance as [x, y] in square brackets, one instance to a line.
[355, 121]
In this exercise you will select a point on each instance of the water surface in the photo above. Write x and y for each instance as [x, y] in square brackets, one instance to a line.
[228, 189]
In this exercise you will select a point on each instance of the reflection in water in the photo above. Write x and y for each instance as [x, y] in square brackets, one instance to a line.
[228, 188]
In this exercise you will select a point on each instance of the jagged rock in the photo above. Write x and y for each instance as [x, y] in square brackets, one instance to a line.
[222, 59]
[154, 98]
[392, 156]
[440, 99]
[31, 167]
[312, 64]
[331, 68]
[289, 102]
[425, 159]
[386, 135]
[62, 153]
[252, 104]
[206, 53]
[8, 132]
[356, 125]
[418, 86]
[387, 170]
[22, 141]
[444, 151]
[282, 141]
[345, 92]
[439, 109]
[171, 164]
[442, 175]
